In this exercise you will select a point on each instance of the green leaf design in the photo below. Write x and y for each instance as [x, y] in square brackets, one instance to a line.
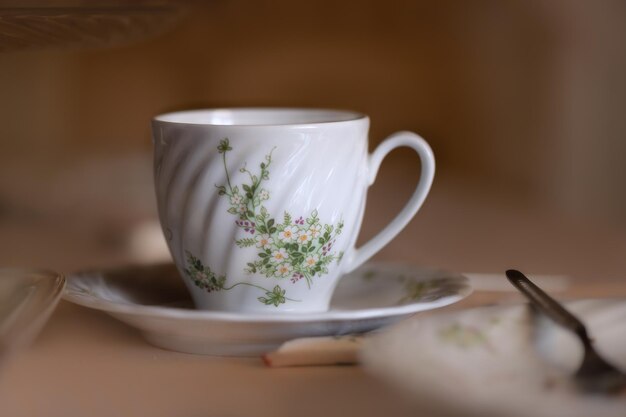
[339, 257]
[221, 190]
[308, 247]
[224, 146]
[244, 243]
[275, 297]
[202, 276]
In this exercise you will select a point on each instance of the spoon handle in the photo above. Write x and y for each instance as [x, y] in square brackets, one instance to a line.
[549, 306]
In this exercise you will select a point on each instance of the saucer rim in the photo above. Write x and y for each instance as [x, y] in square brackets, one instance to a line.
[175, 313]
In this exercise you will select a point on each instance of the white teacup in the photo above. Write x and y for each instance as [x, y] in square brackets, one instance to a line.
[261, 208]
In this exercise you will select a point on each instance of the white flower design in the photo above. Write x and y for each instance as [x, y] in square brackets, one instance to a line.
[280, 255]
[303, 237]
[288, 234]
[292, 246]
[283, 270]
[311, 260]
[315, 230]
[263, 241]
[236, 199]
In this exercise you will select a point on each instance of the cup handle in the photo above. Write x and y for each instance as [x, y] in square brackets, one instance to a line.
[397, 140]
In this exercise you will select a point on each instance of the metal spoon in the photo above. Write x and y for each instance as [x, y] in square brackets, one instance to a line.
[595, 374]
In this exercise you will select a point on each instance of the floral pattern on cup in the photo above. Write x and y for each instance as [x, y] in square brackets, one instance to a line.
[288, 250]
[204, 278]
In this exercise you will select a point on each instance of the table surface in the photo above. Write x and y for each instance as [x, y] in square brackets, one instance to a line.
[86, 363]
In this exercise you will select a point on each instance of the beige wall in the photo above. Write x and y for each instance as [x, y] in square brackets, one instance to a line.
[514, 93]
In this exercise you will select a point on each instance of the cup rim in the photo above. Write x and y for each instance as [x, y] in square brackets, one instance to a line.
[291, 116]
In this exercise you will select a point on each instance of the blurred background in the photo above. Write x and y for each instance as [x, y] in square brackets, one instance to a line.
[523, 102]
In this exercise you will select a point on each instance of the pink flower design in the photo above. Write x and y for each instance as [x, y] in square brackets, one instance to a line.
[296, 277]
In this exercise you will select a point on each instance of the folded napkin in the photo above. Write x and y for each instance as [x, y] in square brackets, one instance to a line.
[310, 351]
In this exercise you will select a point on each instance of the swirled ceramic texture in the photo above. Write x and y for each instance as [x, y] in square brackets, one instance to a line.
[316, 169]
[261, 208]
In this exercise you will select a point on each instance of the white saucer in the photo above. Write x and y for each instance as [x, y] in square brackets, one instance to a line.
[499, 361]
[154, 300]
